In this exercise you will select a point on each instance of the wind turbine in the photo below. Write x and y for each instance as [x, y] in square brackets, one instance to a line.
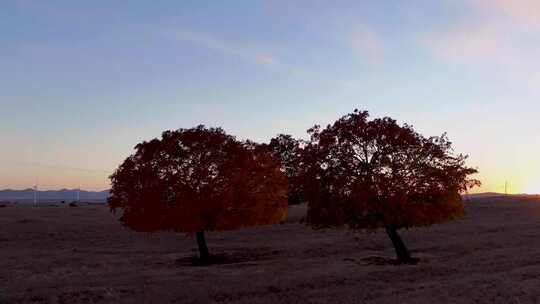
[36, 193]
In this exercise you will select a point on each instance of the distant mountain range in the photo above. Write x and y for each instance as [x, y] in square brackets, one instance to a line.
[483, 195]
[62, 194]
[71, 194]
[495, 194]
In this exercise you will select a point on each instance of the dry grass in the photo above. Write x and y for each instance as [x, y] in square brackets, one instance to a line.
[82, 255]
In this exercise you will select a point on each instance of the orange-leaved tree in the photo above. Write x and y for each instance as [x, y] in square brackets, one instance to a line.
[196, 180]
[368, 174]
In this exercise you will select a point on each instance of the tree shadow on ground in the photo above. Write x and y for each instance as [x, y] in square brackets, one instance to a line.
[246, 257]
[381, 261]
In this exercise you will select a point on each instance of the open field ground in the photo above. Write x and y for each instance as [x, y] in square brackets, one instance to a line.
[83, 255]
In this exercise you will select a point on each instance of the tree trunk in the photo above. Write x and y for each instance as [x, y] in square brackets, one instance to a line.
[402, 253]
[204, 255]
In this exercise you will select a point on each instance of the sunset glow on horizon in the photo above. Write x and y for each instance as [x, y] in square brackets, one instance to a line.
[84, 82]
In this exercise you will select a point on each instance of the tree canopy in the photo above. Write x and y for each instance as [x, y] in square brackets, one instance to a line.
[366, 174]
[198, 179]
[289, 151]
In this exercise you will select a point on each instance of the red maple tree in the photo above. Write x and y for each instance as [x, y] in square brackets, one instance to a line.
[366, 174]
[196, 180]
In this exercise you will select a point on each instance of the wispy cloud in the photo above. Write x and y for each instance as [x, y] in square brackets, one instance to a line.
[498, 36]
[519, 12]
[261, 54]
[498, 32]
[469, 44]
[367, 44]
[245, 51]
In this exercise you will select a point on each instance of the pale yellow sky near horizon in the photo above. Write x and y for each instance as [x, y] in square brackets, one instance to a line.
[51, 178]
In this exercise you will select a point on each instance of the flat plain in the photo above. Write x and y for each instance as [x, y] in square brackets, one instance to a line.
[57, 254]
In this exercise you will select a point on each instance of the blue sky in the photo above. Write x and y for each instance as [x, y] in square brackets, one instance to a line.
[81, 82]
